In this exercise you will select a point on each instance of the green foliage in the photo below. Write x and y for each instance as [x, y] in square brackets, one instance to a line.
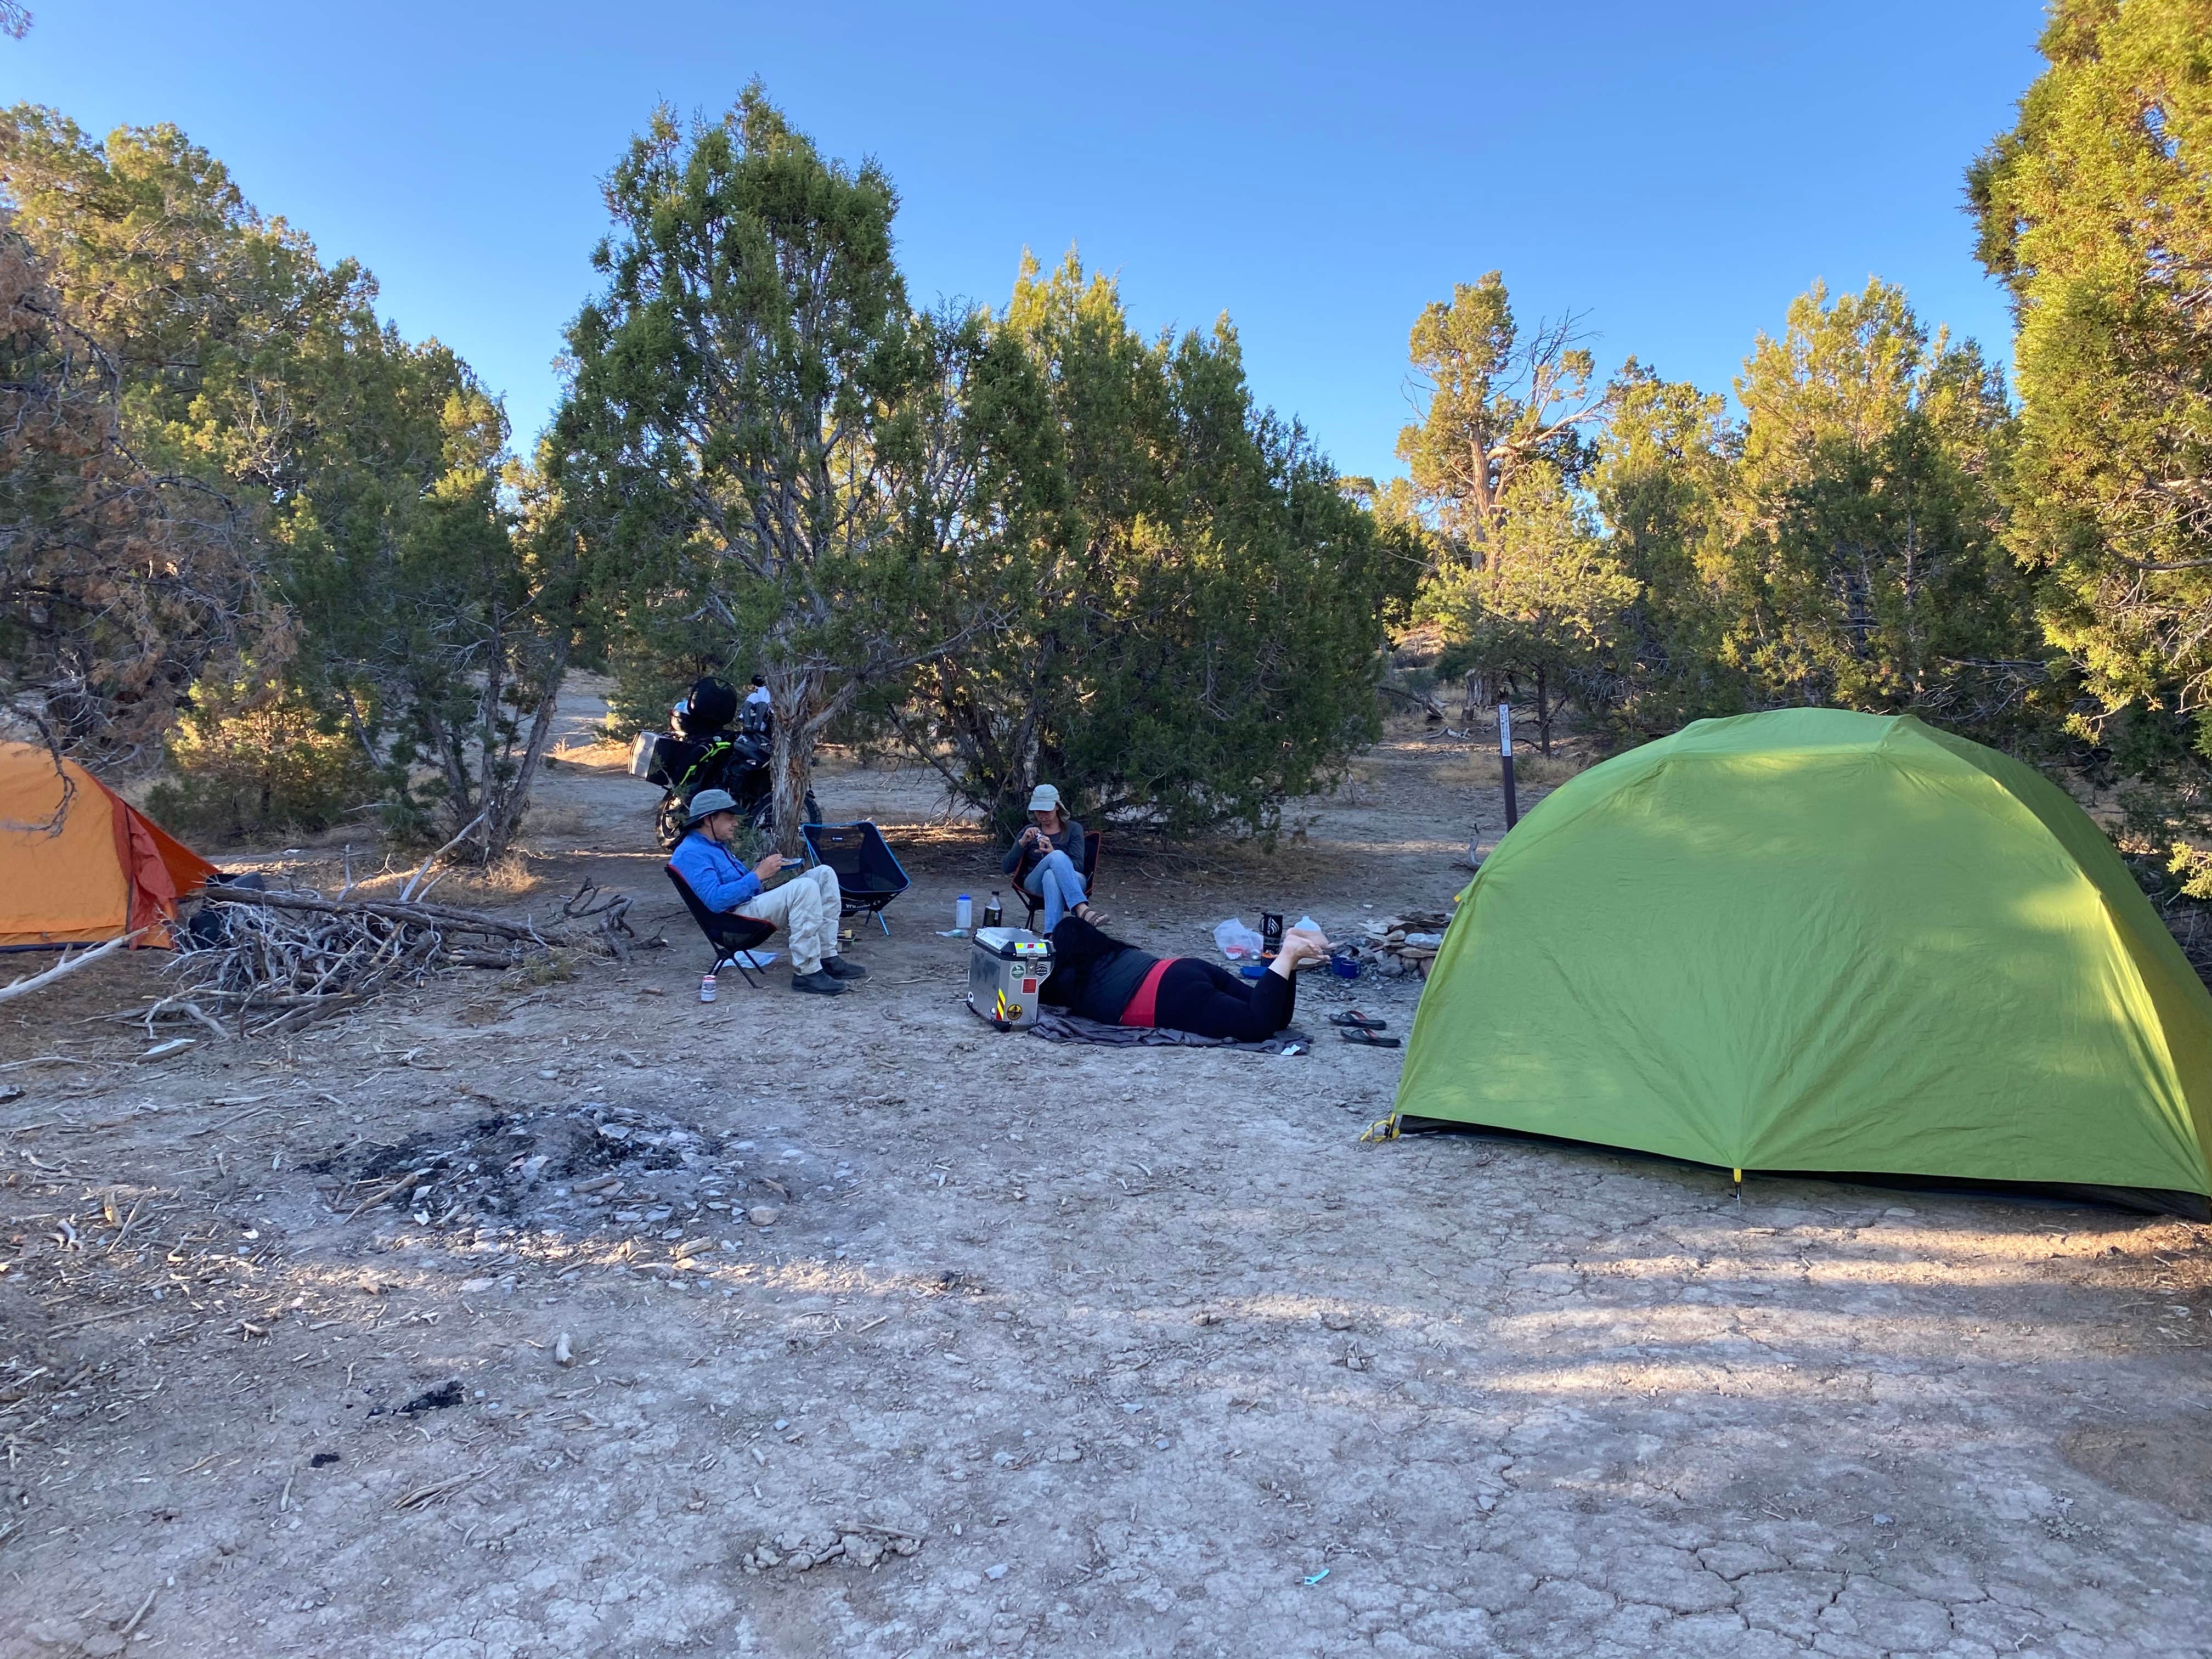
[1545, 608]
[2096, 211]
[1186, 608]
[369, 468]
[754, 413]
[1023, 546]
[1840, 546]
[117, 585]
[1862, 561]
[1498, 403]
[244, 763]
[1520, 584]
[1664, 470]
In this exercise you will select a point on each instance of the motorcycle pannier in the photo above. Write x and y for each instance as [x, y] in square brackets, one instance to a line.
[645, 756]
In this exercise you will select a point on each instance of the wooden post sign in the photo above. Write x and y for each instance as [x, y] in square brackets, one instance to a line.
[1505, 761]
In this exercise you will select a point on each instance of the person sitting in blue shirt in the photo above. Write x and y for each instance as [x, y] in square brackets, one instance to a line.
[807, 908]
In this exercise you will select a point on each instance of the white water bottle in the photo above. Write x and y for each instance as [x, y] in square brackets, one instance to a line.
[963, 913]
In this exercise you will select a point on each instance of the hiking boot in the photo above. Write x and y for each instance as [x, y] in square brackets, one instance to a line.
[821, 984]
[838, 968]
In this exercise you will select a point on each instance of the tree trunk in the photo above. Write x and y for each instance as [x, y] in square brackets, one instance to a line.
[795, 701]
[507, 810]
[1544, 712]
[451, 747]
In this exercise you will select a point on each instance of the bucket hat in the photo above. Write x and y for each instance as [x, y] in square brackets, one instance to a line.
[1044, 799]
[708, 802]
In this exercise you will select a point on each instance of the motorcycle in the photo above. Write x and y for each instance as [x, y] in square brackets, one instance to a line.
[703, 752]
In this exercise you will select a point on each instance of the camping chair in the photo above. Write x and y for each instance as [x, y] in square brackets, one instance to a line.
[1088, 869]
[869, 874]
[732, 937]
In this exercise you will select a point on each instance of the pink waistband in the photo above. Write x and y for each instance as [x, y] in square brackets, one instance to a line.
[1141, 1009]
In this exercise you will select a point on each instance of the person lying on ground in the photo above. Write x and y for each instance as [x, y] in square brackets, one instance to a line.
[807, 908]
[1106, 980]
[1043, 859]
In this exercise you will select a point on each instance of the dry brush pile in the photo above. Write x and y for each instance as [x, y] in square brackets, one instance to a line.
[269, 962]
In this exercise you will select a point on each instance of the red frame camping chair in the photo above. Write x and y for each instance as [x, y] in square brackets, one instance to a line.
[732, 937]
[1092, 840]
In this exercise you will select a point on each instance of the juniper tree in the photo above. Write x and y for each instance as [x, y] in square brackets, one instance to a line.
[2095, 210]
[758, 422]
[1186, 608]
[367, 466]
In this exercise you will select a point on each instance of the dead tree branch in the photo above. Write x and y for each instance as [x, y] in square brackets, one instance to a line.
[282, 961]
[68, 964]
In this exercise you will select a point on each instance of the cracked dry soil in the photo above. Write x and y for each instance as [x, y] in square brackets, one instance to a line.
[888, 1335]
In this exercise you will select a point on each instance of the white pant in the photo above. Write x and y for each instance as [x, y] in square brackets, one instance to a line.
[807, 908]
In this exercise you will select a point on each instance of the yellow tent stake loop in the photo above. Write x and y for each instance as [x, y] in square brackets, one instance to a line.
[1383, 1128]
[1739, 1177]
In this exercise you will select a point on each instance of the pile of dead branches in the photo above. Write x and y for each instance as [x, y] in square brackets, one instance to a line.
[282, 961]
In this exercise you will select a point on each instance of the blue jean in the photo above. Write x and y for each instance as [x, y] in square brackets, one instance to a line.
[1055, 879]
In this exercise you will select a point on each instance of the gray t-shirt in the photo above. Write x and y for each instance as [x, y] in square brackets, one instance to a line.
[1020, 860]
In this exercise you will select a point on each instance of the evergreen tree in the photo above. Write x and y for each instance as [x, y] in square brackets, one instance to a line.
[1519, 586]
[117, 586]
[1863, 567]
[1186, 608]
[369, 467]
[1665, 465]
[2096, 211]
[758, 425]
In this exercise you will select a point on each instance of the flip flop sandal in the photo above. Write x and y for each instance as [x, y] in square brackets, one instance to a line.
[1367, 1038]
[1353, 1017]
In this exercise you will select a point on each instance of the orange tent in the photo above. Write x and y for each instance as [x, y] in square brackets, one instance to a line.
[80, 864]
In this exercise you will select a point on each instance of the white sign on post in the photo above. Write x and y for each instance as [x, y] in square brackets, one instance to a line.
[1505, 728]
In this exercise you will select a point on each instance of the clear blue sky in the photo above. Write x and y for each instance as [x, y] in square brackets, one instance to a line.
[1679, 171]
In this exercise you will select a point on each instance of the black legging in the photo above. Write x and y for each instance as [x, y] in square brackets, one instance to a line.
[1198, 996]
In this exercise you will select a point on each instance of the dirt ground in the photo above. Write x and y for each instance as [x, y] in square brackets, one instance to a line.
[889, 1335]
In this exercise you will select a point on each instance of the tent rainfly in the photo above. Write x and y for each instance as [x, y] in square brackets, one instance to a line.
[1812, 940]
[80, 864]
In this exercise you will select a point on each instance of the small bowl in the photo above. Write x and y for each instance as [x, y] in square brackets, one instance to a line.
[1254, 970]
[1344, 967]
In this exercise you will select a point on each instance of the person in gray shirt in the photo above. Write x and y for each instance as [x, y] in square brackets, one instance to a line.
[1043, 859]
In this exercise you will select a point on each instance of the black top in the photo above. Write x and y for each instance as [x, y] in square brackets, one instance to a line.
[1093, 976]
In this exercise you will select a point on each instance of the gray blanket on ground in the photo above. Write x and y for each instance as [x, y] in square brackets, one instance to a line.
[1070, 1028]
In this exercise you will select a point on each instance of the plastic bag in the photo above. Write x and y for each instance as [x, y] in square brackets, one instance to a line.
[1236, 941]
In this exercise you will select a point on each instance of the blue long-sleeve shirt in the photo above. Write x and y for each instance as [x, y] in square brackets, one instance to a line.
[712, 871]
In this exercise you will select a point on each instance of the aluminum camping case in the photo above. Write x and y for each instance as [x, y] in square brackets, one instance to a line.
[1007, 967]
[644, 755]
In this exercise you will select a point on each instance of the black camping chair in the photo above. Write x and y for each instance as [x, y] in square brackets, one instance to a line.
[1087, 867]
[731, 936]
[869, 874]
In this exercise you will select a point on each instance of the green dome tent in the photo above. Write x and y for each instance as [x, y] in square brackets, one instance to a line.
[1816, 940]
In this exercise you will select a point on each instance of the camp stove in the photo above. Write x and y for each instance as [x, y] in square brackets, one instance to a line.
[1006, 969]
